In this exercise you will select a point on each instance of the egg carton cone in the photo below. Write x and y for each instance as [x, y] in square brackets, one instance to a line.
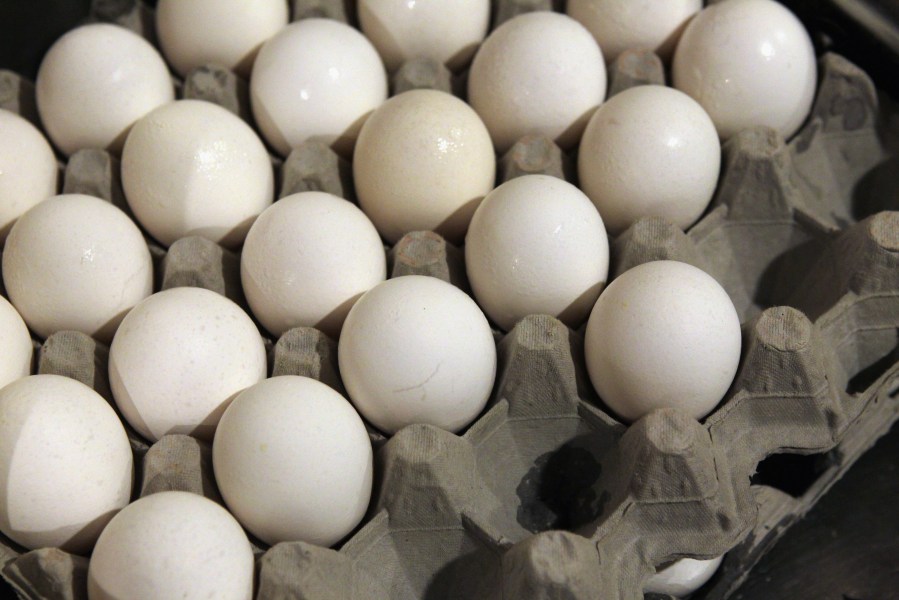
[547, 494]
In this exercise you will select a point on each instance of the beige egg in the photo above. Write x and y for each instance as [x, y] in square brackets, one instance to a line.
[424, 161]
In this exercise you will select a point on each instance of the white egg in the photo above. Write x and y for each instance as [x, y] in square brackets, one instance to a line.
[229, 33]
[172, 545]
[649, 151]
[15, 344]
[28, 171]
[402, 30]
[540, 72]
[316, 78]
[416, 349]
[65, 463]
[76, 262]
[293, 461]
[306, 261]
[682, 577]
[193, 168]
[619, 25]
[536, 245]
[178, 360]
[663, 334]
[95, 82]
[424, 161]
[749, 63]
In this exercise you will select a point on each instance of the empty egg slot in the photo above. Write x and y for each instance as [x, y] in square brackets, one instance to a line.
[792, 474]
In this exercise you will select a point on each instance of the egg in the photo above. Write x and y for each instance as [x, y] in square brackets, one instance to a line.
[650, 151]
[171, 545]
[682, 577]
[76, 262]
[619, 25]
[307, 259]
[663, 334]
[423, 162]
[229, 33]
[540, 72]
[316, 78]
[28, 171]
[193, 168]
[178, 360]
[65, 463]
[402, 30]
[536, 245]
[416, 349]
[293, 461]
[15, 344]
[95, 82]
[749, 63]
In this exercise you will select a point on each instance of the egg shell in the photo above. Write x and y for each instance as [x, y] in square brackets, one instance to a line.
[178, 360]
[172, 545]
[293, 461]
[540, 72]
[619, 25]
[316, 78]
[403, 30]
[306, 261]
[682, 577]
[76, 262]
[423, 162]
[416, 349]
[193, 33]
[748, 63]
[193, 168]
[663, 334]
[650, 151]
[28, 169]
[15, 344]
[65, 463]
[95, 82]
[536, 245]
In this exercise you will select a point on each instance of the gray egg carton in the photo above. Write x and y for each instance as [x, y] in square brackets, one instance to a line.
[547, 495]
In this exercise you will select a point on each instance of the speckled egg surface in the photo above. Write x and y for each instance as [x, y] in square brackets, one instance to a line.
[65, 463]
[179, 358]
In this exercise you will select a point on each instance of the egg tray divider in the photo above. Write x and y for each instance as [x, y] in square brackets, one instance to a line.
[481, 515]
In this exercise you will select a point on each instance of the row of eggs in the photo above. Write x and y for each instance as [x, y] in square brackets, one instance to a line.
[422, 162]
[411, 349]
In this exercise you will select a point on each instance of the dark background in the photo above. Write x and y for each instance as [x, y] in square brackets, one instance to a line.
[847, 547]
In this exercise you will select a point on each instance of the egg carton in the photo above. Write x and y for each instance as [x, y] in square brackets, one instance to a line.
[546, 495]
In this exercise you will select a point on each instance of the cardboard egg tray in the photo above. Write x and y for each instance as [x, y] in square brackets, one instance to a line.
[546, 494]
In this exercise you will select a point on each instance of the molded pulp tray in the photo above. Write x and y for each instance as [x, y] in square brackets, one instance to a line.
[546, 495]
